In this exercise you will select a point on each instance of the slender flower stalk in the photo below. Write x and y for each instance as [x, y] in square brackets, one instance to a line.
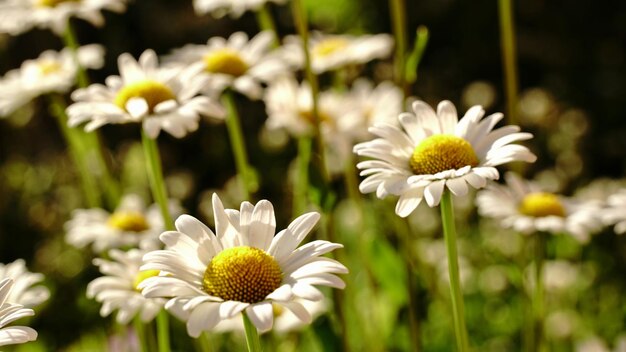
[538, 294]
[507, 42]
[266, 23]
[237, 140]
[300, 192]
[140, 331]
[69, 38]
[163, 331]
[398, 17]
[76, 144]
[458, 310]
[252, 335]
[300, 18]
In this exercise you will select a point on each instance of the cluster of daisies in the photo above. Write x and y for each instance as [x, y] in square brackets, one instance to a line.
[209, 278]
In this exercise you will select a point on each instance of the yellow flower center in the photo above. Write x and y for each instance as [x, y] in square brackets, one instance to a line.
[541, 204]
[244, 274]
[153, 92]
[47, 67]
[142, 275]
[308, 116]
[278, 310]
[441, 152]
[226, 61]
[52, 3]
[128, 221]
[329, 46]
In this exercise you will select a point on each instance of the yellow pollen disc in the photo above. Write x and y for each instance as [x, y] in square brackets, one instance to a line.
[329, 46]
[128, 221]
[53, 3]
[441, 152]
[244, 274]
[278, 310]
[152, 91]
[142, 275]
[48, 66]
[308, 116]
[541, 204]
[226, 61]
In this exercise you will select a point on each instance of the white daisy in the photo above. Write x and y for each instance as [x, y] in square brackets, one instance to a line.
[437, 151]
[289, 106]
[243, 268]
[332, 51]
[9, 312]
[24, 291]
[17, 16]
[236, 62]
[52, 72]
[234, 8]
[131, 224]
[614, 212]
[525, 207]
[117, 290]
[159, 98]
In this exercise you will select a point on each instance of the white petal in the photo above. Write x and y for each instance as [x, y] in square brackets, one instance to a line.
[261, 315]
[203, 318]
[432, 192]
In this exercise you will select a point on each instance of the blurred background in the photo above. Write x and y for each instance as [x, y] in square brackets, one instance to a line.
[572, 73]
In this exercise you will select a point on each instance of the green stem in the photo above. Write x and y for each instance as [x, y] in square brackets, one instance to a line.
[141, 333]
[252, 335]
[538, 298]
[458, 310]
[266, 23]
[69, 38]
[203, 343]
[238, 144]
[155, 176]
[75, 142]
[163, 331]
[507, 41]
[301, 189]
[398, 17]
[300, 18]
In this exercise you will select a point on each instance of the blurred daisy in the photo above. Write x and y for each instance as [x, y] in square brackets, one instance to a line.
[131, 224]
[614, 213]
[9, 312]
[289, 106]
[243, 268]
[236, 62]
[159, 98]
[17, 16]
[234, 8]
[526, 208]
[333, 51]
[437, 151]
[24, 291]
[117, 290]
[52, 72]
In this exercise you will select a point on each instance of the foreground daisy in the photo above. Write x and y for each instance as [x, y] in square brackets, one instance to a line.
[333, 51]
[236, 62]
[525, 207]
[243, 268]
[117, 290]
[17, 16]
[131, 224]
[24, 291]
[615, 211]
[234, 8]
[51, 72]
[9, 312]
[435, 151]
[158, 98]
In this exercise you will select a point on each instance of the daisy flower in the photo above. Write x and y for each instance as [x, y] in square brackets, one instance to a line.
[235, 8]
[435, 151]
[289, 106]
[51, 72]
[159, 98]
[117, 290]
[131, 224]
[236, 62]
[24, 291]
[9, 312]
[526, 208]
[333, 51]
[614, 212]
[243, 268]
[18, 16]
